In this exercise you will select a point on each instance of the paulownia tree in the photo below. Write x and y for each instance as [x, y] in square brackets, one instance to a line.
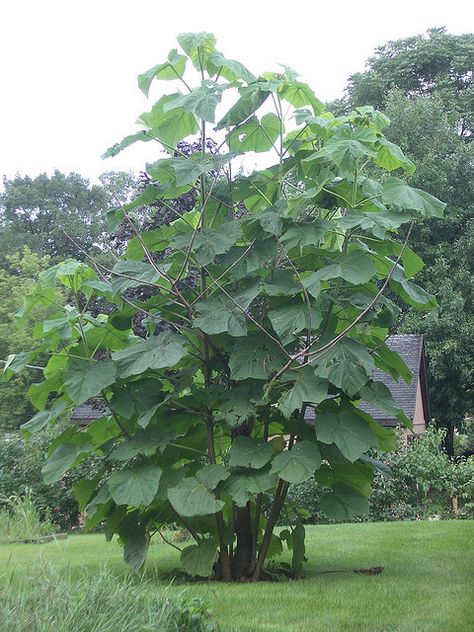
[274, 293]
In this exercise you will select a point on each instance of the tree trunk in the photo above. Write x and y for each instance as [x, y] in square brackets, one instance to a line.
[243, 552]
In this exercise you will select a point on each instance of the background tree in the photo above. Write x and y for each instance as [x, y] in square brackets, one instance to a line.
[16, 281]
[425, 85]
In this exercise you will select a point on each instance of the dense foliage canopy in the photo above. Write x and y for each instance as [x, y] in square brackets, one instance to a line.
[265, 297]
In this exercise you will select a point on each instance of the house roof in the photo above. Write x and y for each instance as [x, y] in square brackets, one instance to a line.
[410, 348]
[87, 412]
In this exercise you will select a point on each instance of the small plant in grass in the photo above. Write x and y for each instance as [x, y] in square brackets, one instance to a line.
[20, 520]
[268, 296]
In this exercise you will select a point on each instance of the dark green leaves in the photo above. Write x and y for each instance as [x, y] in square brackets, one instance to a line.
[135, 486]
[343, 503]
[156, 352]
[198, 559]
[65, 456]
[209, 243]
[307, 389]
[254, 357]
[298, 464]
[347, 430]
[249, 452]
[192, 498]
[348, 365]
[86, 379]
[305, 234]
[221, 315]
[290, 319]
[398, 194]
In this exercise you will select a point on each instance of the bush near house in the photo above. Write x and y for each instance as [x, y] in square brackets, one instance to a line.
[424, 482]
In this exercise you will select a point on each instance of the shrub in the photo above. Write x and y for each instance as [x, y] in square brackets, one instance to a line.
[99, 603]
[20, 470]
[19, 519]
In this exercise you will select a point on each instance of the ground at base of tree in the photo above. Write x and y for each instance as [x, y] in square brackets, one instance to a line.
[427, 584]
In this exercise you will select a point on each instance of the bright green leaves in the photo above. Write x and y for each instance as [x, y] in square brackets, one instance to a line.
[198, 47]
[250, 100]
[307, 389]
[86, 379]
[171, 125]
[398, 194]
[192, 498]
[300, 94]
[348, 365]
[228, 68]
[201, 101]
[157, 352]
[173, 68]
[346, 146]
[391, 157]
[255, 135]
[298, 464]
[197, 559]
[249, 452]
[135, 486]
[346, 429]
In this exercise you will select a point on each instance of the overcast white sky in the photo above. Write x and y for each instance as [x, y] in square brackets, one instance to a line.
[68, 69]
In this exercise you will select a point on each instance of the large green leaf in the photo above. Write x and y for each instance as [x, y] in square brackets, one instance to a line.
[136, 541]
[228, 68]
[412, 293]
[191, 498]
[390, 157]
[380, 396]
[289, 320]
[400, 195]
[255, 357]
[347, 430]
[307, 389]
[198, 559]
[86, 379]
[242, 484]
[348, 365]
[198, 46]
[255, 135]
[171, 126]
[250, 100]
[305, 234]
[343, 503]
[157, 352]
[218, 315]
[126, 142]
[173, 68]
[355, 267]
[135, 486]
[65, 456]
[249, 452]
[208, 242]
[298, 464]
[359, 475]
[201, 101]
[211, 475]
[345, 147]
[300, 94]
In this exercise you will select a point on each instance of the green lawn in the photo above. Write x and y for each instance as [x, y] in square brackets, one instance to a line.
[427, 584]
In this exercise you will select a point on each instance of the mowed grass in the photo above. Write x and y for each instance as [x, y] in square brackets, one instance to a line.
[427, 584]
